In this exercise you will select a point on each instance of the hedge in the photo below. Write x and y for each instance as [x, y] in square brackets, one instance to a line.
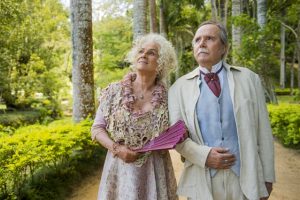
[285, 122]
[35, 149]
[285, 91]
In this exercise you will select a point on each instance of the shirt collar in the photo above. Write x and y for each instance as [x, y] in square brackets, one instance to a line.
[214, 68]
[195, 72]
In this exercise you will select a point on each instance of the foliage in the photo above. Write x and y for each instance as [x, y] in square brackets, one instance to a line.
[112, 41]
[251, 54]
[285, 91]
[181, 33]
[285, 122]
[32, 152]
[11, 120]
[33, 44]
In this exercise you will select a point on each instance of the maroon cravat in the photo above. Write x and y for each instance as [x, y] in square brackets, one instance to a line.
[213, 81]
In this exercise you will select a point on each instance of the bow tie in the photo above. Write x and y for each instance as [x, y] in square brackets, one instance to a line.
[213, 81]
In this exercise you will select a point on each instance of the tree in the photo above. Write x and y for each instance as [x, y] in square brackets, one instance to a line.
[282, 57]
[236, 30]
[33, 42]
[139, 18]
[214, 10]
[261, 13]
[112, 41]
[219, 10]
[262, 21]
[82, 72]
[153, 20]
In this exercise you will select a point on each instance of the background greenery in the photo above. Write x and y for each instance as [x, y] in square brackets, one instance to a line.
[41, 151]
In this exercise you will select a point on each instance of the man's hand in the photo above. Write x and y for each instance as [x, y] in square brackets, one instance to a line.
[126, 154]
[220, 158]
[269, 187]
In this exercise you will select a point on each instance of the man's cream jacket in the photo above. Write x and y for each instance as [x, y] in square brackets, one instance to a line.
[253, 128]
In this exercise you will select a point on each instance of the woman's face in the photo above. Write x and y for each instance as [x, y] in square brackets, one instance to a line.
[147, 58]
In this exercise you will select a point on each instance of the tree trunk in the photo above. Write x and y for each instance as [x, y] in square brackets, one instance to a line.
[236, 31]
[282, 57]
[214, 11]
[82, 72]
[223, 11]
[153, 20]
[179, 52]
[162, 19]
[139, 18]
[292, 73]
[245, 7]
[298, 53]
[262, 13]
[267, 82]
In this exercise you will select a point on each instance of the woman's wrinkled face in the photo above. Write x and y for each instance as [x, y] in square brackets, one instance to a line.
[147, 57]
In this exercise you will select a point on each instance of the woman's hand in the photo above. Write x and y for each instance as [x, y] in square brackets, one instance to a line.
[126, 154]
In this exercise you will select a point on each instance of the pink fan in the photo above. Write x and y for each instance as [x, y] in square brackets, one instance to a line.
[167, 139]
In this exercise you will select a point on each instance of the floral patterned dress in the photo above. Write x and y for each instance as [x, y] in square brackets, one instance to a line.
[151, 177]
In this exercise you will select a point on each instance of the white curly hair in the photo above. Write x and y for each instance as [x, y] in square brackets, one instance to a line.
[167, 60]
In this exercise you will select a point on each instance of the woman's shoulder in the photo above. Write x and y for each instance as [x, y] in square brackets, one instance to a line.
[111, 90]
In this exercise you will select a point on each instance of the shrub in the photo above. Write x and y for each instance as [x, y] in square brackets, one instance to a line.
[15, 119]
[285, 91]
[285, 122]
[34, 154]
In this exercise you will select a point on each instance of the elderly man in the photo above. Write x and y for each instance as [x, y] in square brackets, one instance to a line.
[229, 154]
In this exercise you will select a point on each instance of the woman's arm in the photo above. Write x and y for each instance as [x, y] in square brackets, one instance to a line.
[118, 150]
[100, 135]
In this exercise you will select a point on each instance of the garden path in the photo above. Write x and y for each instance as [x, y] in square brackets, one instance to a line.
[287, 163]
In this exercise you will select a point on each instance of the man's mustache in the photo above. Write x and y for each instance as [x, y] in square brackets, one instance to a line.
[202, 50]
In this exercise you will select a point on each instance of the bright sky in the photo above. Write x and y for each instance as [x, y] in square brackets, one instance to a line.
[99, 4]
[66, 3]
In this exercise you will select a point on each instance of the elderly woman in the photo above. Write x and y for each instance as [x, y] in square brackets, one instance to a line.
[132, 112]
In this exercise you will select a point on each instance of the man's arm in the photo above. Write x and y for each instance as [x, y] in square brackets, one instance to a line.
[189, 149]
[265, 138]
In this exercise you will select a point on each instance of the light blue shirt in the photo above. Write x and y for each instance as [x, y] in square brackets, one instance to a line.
[216, 117]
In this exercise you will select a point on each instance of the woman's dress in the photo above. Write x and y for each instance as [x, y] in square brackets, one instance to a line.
[151, 177]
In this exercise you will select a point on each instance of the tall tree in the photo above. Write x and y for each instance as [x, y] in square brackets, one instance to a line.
[139, 18]
[223, 11]
[214, 10]
[33, 40]
[82, 72]
[153, 19]
[262, 13]
[162, 19]
[298, 52]
[282, 56]
[219, 9]
[262, 22]
[236, 30]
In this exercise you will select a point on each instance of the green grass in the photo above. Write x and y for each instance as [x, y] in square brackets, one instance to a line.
[2, 106]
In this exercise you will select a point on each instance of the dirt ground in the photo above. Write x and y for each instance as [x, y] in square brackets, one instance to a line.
[287, 186]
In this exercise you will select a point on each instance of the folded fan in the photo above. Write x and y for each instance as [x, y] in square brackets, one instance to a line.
[167, 139]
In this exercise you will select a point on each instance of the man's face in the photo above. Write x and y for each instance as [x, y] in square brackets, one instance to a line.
[208, 47]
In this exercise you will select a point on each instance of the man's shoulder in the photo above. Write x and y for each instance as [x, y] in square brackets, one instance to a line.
[186, 78]
[241, 71]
